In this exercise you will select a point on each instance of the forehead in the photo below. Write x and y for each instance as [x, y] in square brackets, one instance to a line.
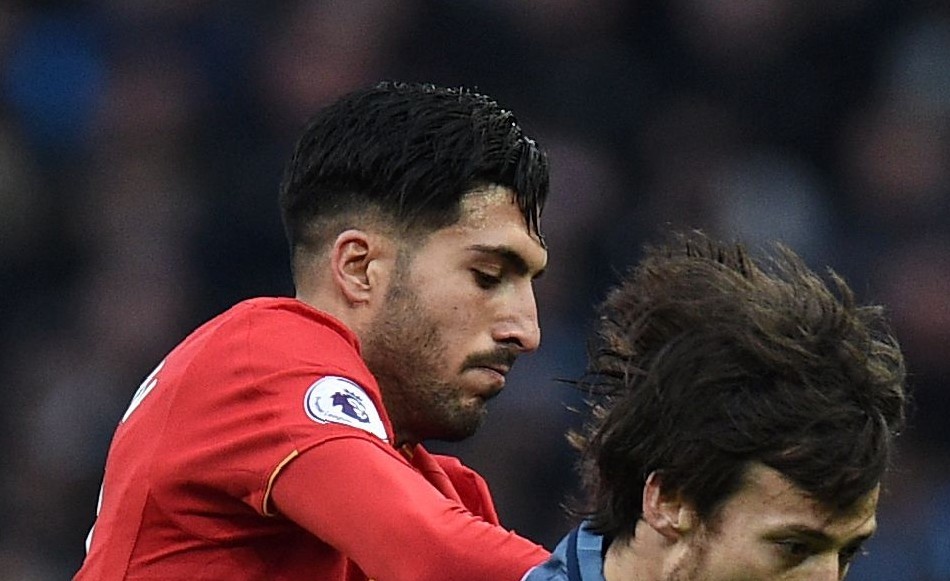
[769, 502]
[479, 206]
[490, 217]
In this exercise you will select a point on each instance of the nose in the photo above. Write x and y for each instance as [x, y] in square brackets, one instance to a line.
[519, 326]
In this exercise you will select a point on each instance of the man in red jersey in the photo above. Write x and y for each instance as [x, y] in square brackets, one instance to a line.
[281, 440]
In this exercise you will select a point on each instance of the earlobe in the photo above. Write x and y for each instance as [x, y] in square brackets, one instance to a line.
[666, 512]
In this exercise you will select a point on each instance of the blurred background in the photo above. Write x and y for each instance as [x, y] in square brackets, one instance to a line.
[142, 141]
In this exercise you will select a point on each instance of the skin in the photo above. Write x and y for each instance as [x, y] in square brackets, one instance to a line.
[769, 530]
[440, 321]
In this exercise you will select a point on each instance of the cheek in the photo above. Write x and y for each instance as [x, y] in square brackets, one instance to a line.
[737, 557]
[459, 311]
[456, 307]
[458, 328]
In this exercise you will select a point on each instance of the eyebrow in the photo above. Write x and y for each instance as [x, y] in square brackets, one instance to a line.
[511, 257]
[817, 536]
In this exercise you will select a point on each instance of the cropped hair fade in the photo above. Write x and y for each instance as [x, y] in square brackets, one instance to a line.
[408, 153]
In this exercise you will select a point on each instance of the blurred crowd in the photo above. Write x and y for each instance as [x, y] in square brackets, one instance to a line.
[142, 142]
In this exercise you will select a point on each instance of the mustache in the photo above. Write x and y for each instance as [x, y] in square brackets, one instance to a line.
[500, 357]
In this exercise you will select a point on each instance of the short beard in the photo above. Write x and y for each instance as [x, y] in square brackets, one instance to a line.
[405, 351]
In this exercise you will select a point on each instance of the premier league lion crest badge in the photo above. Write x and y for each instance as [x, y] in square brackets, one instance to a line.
[338, 400]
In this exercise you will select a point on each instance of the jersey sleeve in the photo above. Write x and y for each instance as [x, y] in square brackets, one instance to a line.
[262, 389]
[468, 485]
[354, 494]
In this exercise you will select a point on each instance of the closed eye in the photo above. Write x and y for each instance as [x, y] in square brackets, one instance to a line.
[793, 551]
[485, 280]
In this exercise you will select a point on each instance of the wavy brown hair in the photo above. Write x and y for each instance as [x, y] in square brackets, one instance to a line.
[710, 361]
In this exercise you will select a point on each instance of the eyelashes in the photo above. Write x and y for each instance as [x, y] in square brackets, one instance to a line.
[485, 280]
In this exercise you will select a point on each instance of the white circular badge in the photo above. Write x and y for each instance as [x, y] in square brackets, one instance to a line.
[337, 400]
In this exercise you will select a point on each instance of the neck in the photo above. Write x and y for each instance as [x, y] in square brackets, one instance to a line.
[621, 564]
[354, 319]
[642, 557]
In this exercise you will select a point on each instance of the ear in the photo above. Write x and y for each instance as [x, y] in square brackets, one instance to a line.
[355, 260]
[666, 511]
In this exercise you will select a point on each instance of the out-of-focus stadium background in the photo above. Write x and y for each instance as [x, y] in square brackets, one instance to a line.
[141, 144]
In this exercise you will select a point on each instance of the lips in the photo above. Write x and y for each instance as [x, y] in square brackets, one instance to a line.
[499, 361]
[493, 366]
[496, 374]
[501, 370]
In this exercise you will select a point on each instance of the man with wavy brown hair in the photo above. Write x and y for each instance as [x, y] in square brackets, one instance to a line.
[749, 416]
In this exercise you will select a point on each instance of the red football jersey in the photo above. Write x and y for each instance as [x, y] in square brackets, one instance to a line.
[270, 382]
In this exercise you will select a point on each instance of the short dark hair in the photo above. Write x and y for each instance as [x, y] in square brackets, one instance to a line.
[410, 152]
[711, 361]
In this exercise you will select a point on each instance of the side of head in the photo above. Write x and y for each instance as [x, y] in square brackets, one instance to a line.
[399, 157]
[713, 362]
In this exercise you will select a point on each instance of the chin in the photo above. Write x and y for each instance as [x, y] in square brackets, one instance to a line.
[461, 426]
